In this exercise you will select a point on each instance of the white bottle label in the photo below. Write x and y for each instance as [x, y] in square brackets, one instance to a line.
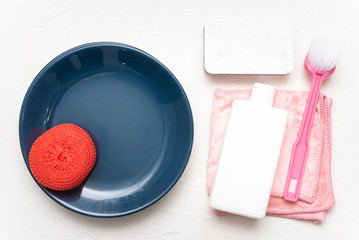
[248, 159]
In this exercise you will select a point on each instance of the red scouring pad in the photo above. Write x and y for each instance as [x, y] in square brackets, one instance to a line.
[62, 157]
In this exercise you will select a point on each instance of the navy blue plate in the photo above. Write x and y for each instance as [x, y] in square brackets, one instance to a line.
[135, 111]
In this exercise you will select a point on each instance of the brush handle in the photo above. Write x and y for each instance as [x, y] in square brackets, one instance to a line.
[301, 145]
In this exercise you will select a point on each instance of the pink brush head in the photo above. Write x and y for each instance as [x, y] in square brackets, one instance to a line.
[322, 57]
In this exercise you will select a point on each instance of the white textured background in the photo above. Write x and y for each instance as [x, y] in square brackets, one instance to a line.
[34, 32]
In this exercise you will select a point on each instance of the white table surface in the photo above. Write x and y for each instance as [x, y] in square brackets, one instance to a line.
[34, 32]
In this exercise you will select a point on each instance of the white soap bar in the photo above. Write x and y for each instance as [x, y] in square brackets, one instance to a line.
[248, 47]
[249, 156]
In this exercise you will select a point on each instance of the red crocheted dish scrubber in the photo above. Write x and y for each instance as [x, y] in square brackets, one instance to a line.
[62, 157]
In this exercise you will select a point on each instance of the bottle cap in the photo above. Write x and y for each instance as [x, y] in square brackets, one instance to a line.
[262, 94]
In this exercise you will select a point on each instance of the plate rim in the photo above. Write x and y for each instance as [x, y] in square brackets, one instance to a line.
[87, 46]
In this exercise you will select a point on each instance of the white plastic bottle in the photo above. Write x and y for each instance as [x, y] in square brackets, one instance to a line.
[249, 155]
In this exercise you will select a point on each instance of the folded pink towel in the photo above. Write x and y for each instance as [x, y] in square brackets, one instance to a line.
[316, 193]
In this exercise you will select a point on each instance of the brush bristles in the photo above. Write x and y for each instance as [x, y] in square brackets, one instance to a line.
[323, 55]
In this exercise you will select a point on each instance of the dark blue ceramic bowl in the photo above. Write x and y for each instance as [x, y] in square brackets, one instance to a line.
[135, 111]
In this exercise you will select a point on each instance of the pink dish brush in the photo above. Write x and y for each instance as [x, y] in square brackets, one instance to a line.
[320, 64]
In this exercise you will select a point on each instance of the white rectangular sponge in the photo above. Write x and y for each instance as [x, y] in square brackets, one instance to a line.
[248, 47]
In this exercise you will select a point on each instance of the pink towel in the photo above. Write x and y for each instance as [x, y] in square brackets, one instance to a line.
[316, 193]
